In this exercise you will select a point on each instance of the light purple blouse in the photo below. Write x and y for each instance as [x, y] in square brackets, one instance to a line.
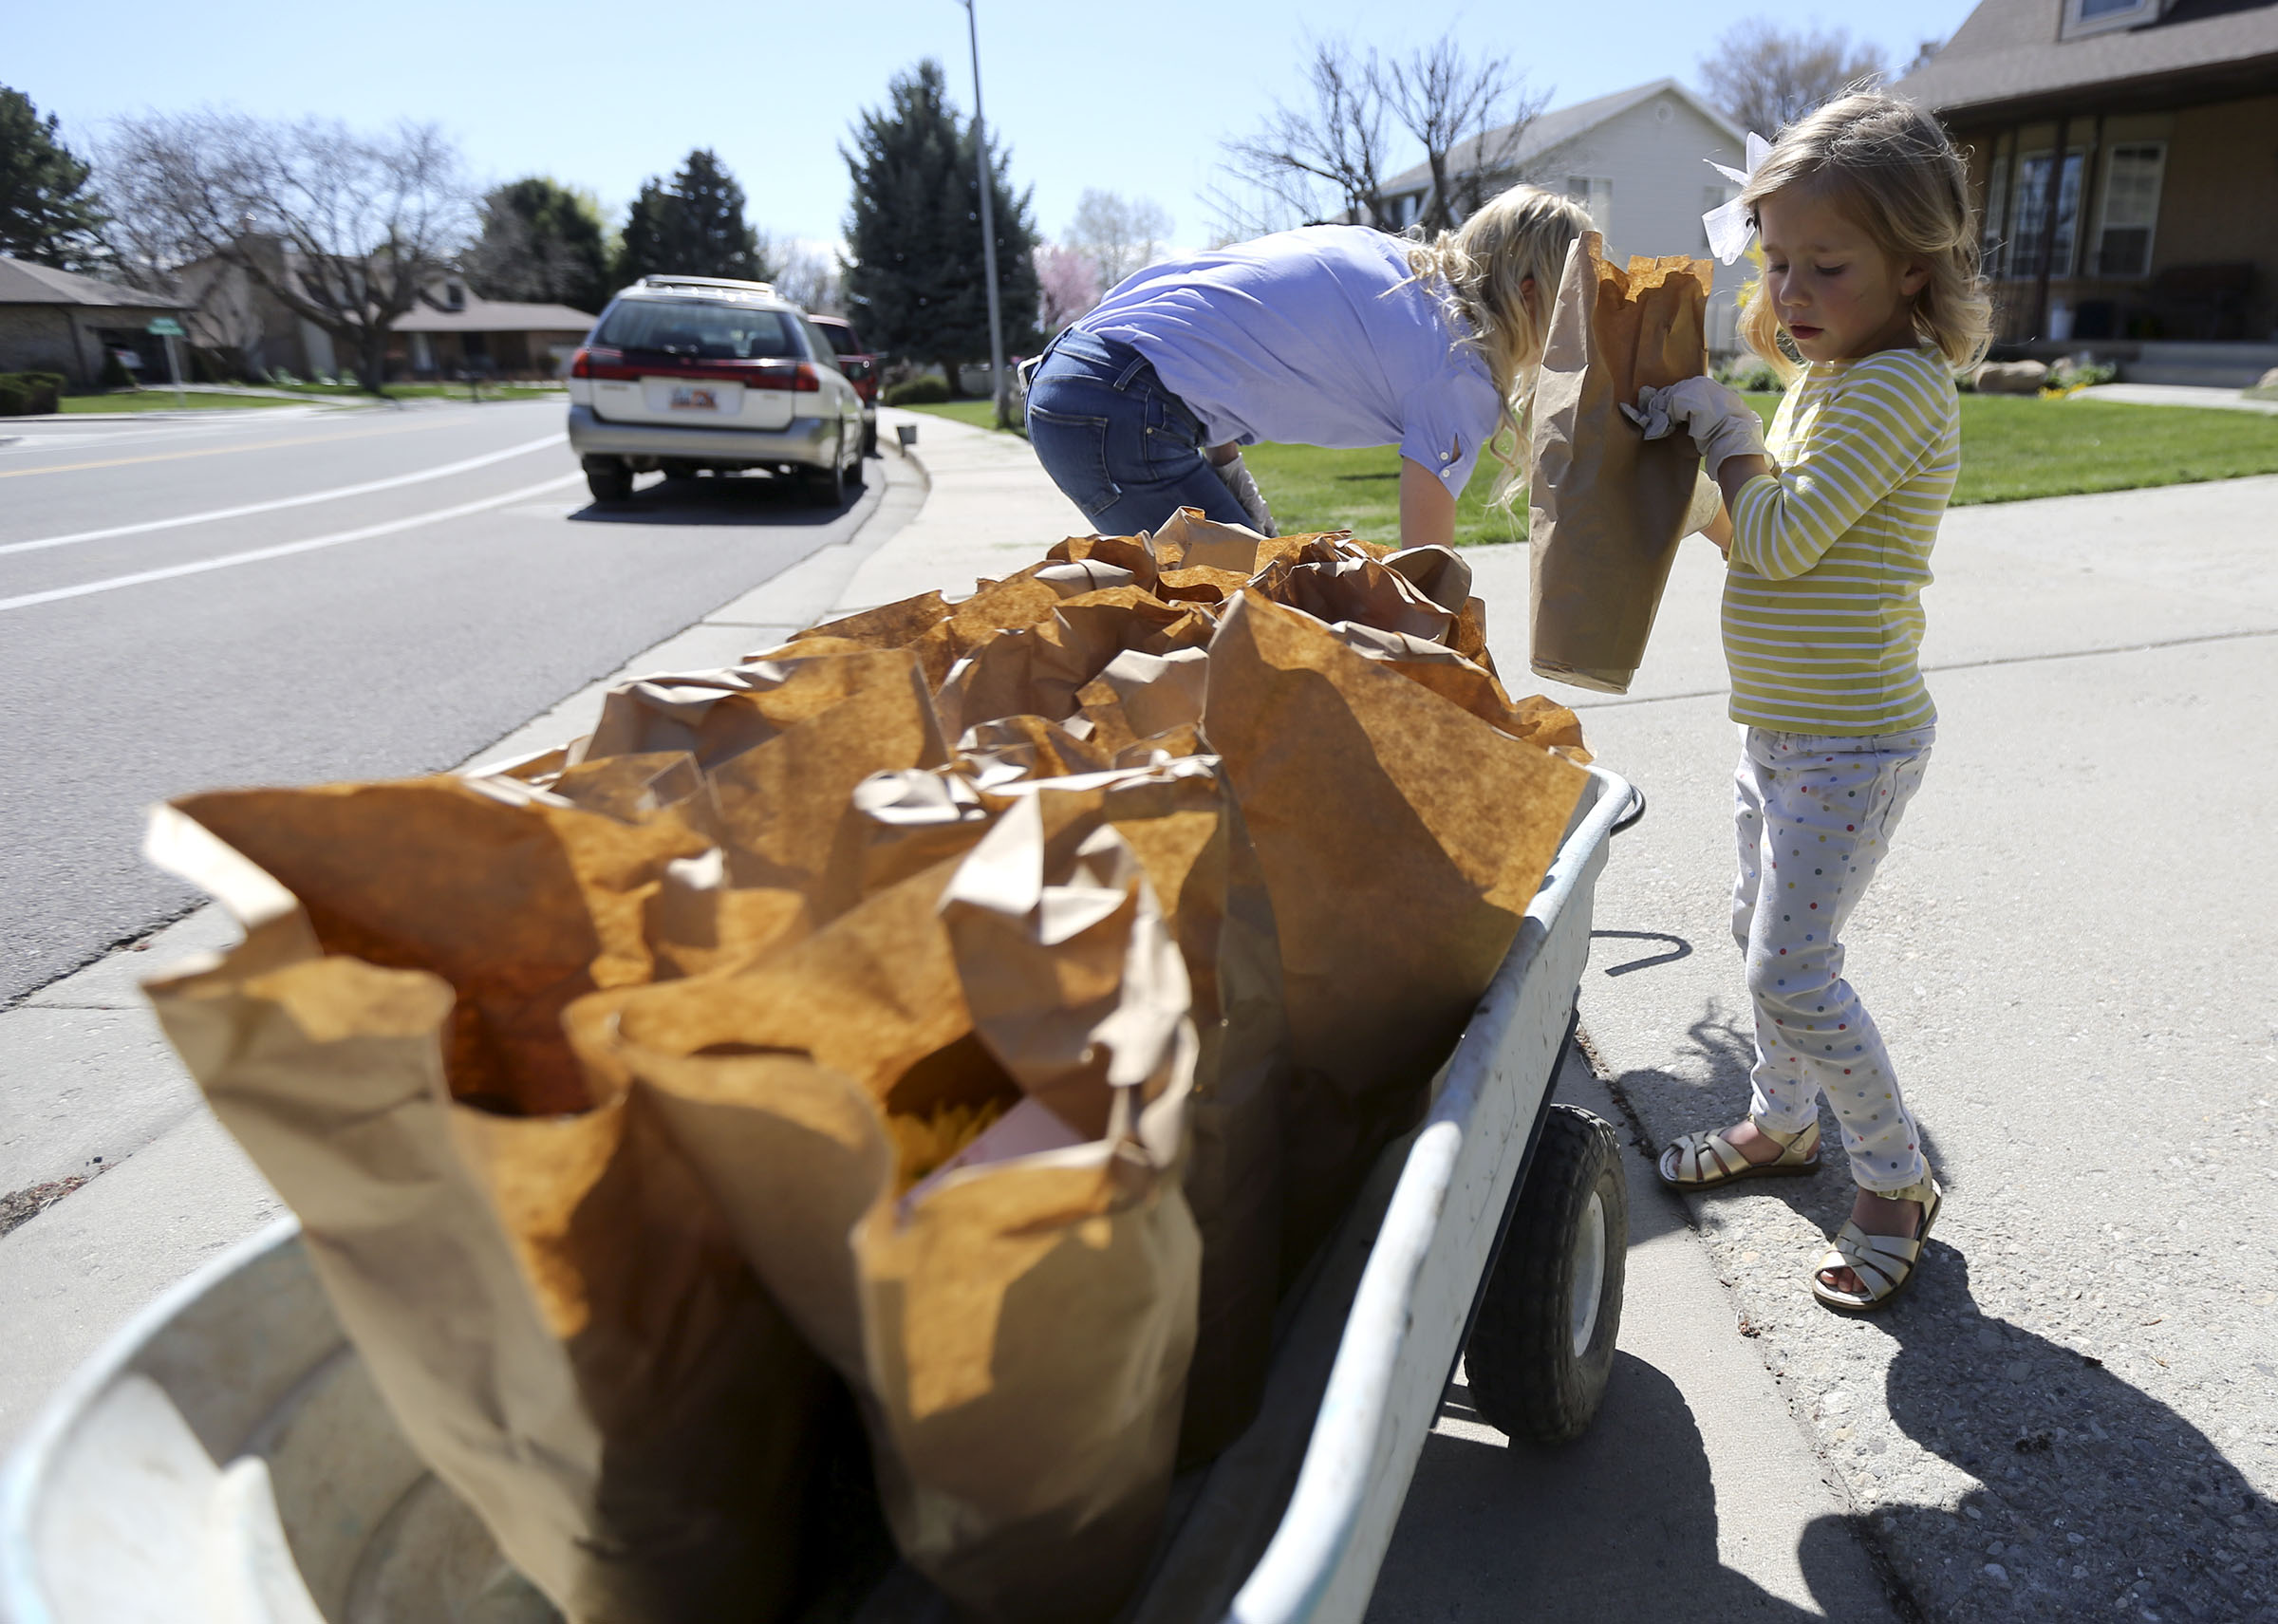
[1311, 337]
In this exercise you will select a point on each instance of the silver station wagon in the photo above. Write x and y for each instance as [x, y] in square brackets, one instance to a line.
[686, 373]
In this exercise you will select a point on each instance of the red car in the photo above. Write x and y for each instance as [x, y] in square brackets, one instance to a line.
[861, 367]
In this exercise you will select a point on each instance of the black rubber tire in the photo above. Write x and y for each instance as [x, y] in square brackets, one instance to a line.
[827, 486]
[869, 439]
[609, 480]
[1526, 1377]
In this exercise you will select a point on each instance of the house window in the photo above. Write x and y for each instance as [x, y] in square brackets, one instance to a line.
[2130, 210]
[1594, 193]
[2095, 16]
[2018, 256]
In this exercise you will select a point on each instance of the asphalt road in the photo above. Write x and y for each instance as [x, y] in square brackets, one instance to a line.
[280, 597]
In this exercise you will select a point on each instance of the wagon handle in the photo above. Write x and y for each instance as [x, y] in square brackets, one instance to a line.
[1627, 820]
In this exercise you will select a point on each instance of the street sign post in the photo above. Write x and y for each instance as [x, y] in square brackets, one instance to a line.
[170, 329]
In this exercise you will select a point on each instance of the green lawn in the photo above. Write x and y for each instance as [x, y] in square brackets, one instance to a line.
[1312, 489]
[2013, 447]
[2018, 446]
[428, 391]
[166, 400]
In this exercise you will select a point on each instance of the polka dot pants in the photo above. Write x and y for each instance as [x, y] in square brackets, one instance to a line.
[1814, 816]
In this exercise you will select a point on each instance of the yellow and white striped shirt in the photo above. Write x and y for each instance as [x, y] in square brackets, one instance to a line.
[1822, 610]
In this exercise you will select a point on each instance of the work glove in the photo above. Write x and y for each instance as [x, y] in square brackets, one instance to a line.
[1237, 478]
[1721, 423]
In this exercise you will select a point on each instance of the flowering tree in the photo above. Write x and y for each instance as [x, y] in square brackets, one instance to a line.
[1068, 282]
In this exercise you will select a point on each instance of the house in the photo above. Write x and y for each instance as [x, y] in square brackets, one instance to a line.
[252, 330]
[1634, 160]
[2152, 240]
[57, 320]
[489, 337]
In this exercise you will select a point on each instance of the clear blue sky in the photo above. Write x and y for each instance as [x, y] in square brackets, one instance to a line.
[1130, 97]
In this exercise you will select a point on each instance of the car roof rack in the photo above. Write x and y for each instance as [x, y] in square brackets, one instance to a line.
[710, 284]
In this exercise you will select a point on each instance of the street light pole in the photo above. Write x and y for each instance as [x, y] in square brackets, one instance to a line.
[988, 222]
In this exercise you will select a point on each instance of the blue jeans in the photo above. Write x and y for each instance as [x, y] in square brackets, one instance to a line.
[1124, 449]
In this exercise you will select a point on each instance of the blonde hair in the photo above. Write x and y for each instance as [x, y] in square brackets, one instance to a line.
[1479, 273]
[1891, 168]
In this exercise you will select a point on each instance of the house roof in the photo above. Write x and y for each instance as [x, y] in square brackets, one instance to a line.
[1555, 128]
[2008, 53]
[24, 282]
[494, 316]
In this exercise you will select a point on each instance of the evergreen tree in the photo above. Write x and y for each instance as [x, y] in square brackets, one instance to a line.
[695, 227]
[917, 270]
[543, 243]
[47, 212]
[646, 247]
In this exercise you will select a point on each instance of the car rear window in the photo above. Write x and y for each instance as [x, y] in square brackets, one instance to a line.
[842, 339]
[704, 332]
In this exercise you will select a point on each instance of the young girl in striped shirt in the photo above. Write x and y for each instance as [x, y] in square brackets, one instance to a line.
[1869, 276]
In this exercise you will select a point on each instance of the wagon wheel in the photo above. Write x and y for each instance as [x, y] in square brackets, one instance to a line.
[1542, 1344]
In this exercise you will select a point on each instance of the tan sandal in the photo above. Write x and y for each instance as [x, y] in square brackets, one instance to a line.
[1884, 1263]
[1699, 1160]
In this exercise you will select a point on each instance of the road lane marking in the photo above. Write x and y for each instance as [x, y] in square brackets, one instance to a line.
[218, 449]
[249, 508]
[286, 549]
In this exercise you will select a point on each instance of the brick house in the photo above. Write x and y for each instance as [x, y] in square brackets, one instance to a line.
[2152, 240]
[57, 320]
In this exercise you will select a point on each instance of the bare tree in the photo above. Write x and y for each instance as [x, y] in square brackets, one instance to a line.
[1322, 156]
[1118, 234]
[346, 231]
[1469, 117]
[1766, 78]
[811, 276]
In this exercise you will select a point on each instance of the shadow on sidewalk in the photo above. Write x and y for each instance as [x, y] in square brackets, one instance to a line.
[1620, 1524]
[2060, 1446]
[2063, 1447]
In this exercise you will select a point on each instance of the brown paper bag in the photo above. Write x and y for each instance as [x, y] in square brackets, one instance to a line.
[1401, 840]
[784, 743]
[549, 1303]
[1039, 671]
[1179, 815]
[1020, 1330]
[1607, 507]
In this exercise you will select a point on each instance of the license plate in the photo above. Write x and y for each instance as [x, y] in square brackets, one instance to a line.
[695, 398]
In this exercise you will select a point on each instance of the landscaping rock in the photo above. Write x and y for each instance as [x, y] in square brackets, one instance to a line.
[2012, 378]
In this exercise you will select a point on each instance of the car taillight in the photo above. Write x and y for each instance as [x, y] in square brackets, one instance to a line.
[799, 376]
[583, 363]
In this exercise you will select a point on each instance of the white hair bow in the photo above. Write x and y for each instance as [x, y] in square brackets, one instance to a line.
[1728, 225]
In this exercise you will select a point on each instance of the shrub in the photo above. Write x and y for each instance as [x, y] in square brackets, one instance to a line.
[115, 375]
[30, 394]
[2080, 372]
[917, 392]
[1751, 373]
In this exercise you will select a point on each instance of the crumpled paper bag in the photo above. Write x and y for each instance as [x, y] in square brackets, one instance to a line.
[782, 742]
[1608, 507]
[1019, 1330]
[1401, 838]
[547, 1299]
